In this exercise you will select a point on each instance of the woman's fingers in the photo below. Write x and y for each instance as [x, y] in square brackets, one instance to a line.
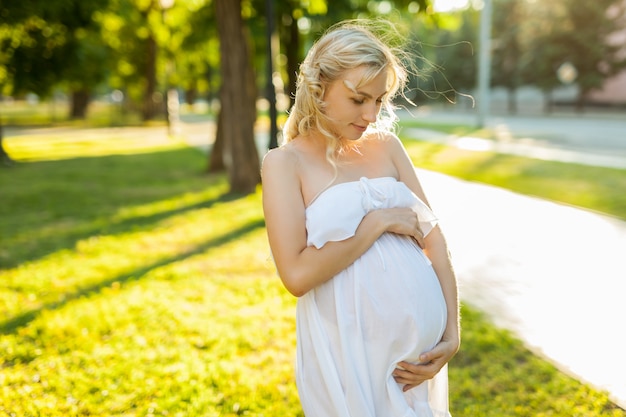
[416, 372]
[404, 221]
[419, 236]
[413, 375]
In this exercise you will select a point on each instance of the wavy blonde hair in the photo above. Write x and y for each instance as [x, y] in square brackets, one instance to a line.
[345, 46]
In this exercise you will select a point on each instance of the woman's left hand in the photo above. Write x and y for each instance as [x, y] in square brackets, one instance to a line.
[431, 362]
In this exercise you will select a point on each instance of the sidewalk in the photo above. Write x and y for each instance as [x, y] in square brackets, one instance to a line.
[552, 274]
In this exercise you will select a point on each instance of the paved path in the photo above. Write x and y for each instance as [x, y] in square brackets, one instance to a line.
[552, 274]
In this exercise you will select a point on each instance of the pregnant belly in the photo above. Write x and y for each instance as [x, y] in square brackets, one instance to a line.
[402, 307]
[389, 299]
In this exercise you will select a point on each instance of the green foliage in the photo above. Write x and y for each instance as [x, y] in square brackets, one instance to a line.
[592, 25]
[80, 45]
[44, 46]
[508, 19]
[133, 284]
[574, 31]
[128, 27]
[37, 42]
[446, 57]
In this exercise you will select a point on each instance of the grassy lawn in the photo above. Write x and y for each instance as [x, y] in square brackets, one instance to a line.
[100, 114]
[595, 188]
[133, 284]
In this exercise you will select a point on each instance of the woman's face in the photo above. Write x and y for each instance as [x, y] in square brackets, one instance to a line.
[352, 107]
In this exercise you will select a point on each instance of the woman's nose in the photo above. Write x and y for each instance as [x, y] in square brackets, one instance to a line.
[370, 112]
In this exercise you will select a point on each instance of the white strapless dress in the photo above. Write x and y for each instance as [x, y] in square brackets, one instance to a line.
[386, 307]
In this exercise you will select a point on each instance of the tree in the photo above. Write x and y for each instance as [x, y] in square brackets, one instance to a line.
[27, 41]
[131, 30]
[197, 70]
[508, 18]
[237, 99]
[573, 32]
[5, 158]
[587, 38]
[56, 44]
[8, 35]
[87, 68]
[446, 63]
[541, 55]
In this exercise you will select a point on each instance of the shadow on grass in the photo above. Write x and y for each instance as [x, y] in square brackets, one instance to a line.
[11, 325]
[59, 203]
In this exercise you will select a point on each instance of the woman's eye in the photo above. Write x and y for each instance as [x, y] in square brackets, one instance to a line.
[357, 101]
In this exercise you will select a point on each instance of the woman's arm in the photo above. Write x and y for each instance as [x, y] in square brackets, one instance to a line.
[437, 251]
[303, 267]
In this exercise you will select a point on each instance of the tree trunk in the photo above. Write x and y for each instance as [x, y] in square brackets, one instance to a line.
[209, 76]
[80, 102]
[512, 100]
[237, 99]
[293, 60]
[580, 101]
[216, 158]
[149, 107]
[5, 159]
[191, 95]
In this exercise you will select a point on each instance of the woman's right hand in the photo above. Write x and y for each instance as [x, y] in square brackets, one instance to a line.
[403, 221]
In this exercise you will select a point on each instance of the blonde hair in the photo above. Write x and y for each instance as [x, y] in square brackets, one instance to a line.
[345, 46]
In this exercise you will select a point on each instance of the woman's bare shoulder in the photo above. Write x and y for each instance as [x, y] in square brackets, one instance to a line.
[382, 140]
[381, 136]
[283, 158]
[281, 183]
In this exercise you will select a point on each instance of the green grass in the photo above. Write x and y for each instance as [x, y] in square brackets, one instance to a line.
[133, 284]
[451, 129]
[99, 114]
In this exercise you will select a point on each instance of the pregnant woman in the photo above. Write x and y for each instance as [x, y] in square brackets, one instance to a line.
[353, 237]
